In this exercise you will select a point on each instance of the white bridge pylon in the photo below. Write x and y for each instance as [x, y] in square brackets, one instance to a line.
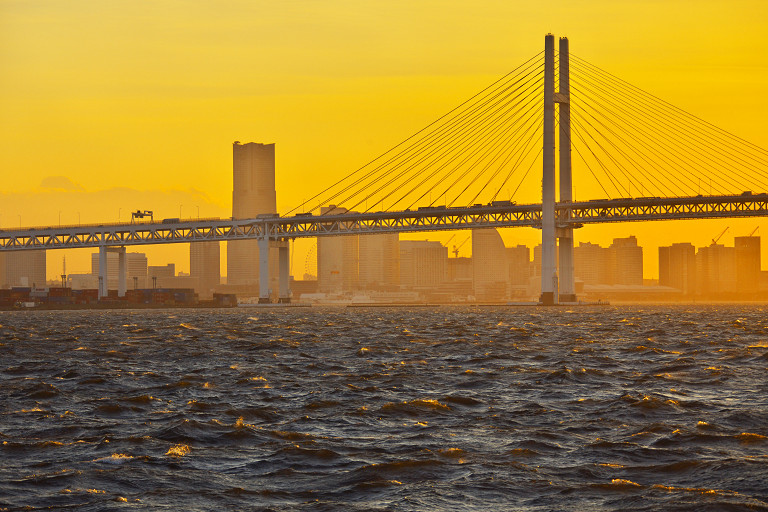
[554, 289]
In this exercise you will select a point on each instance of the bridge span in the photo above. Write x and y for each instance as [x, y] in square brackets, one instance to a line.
[501, 214]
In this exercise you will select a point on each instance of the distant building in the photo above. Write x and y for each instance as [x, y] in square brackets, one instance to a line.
[379, 262]
[626, 262]
[23, 268]
[253, 194]
[205, 266]
[490, 270]
[519, 260]
[135, 266]
[747, 264]
[520, 270]
[591, 264]
[167, 270]
[337, 259]
[677, 267]
[423, 264]
[715, 270]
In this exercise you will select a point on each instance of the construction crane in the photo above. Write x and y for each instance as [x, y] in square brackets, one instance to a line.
[457, 247]
[754, 231]
[715, 240]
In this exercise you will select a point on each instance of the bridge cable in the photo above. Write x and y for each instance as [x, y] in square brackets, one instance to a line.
[469, 101]
[673, 134]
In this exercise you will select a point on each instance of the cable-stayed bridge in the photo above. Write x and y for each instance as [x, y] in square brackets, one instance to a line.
[471, 167]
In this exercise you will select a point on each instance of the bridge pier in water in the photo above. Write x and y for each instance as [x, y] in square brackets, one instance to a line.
[104, 271]
[283, 261]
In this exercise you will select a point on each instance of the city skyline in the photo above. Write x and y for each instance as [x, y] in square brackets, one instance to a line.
[421, 270]
[157, 169]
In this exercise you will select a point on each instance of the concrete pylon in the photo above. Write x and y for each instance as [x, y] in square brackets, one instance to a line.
[548, 236]
[121, 272]
[264, 270]
[103, 290]
[284, 295]
[565, 233]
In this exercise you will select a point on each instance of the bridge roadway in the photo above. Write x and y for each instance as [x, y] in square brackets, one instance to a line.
[496, 215]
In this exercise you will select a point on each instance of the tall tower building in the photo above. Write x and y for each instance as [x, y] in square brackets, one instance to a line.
[204, 264]
[253, 193]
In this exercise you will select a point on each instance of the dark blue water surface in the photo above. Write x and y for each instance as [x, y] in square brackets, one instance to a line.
[444, 408]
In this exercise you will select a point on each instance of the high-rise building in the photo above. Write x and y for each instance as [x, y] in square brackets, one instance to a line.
[490, 269]
[591, 264]
[205, 265]
[747, 264]
[337, 259]
[379, 261]
[677, 267]
[253, 194]
[423, 264]
[716, 270]
[520, 270]
[22, 268]
[519, 259]
[626, 262]
[135, 269]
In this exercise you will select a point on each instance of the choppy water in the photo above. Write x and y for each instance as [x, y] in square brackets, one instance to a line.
[614, 408]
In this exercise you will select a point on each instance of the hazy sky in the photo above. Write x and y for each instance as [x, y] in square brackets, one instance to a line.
[146, 97]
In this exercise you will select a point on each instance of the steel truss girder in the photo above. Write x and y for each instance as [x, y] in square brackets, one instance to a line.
[426, 219]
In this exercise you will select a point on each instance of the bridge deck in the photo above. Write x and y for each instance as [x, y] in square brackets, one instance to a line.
[424, 219]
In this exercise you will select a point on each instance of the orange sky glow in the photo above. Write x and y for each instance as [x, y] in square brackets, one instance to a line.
[108, 107]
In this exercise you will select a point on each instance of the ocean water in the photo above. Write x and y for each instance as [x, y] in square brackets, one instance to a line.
[444, 408]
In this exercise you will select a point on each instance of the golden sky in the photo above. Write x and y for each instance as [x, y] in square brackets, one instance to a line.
[136, 103]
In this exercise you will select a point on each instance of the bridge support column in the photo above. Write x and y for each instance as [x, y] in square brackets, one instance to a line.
[548, 236]
[121, 272]
[103, 291]
[264, 270]
[567, 291]
[284, 295]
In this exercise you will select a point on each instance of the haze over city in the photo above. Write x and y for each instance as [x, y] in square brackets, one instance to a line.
[145, 118]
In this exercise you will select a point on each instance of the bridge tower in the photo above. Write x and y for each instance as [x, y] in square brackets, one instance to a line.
[565, 233]
[556, 289]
